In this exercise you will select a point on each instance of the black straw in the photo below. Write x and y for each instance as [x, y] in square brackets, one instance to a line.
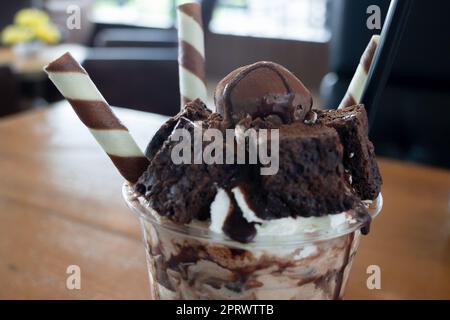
[383, 60]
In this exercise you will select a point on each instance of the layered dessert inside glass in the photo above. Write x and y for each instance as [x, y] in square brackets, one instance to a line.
[280, 224]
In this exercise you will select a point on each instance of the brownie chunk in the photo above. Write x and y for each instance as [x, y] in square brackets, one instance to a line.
[184, 191]
[311, 179]
[269, 122]
[359, 155]
[194, 111]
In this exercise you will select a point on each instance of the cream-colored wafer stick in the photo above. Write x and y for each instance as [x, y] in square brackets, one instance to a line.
[77, 87]
[356, 87]
[191, 57]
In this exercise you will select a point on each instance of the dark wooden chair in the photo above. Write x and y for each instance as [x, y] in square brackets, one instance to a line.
[412, 122]
[9, 9]
[9, 92]
[139, 78]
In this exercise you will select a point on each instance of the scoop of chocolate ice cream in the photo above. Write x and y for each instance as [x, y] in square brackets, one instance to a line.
[259, 90]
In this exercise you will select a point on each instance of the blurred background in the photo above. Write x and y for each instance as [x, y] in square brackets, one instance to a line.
[129, 47]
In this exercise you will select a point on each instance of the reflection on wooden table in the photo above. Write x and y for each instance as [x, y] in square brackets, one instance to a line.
[60, 205]
[33, 65]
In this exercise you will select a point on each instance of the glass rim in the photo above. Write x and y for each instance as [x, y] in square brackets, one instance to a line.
[200, 232]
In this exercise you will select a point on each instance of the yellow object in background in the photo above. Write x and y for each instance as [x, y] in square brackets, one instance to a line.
[15, 34]
[48, 33]
[31, 18]
[30, 25]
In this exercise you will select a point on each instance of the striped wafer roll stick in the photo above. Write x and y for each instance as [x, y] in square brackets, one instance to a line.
[77, 87]
[356, 88]
[191, 53]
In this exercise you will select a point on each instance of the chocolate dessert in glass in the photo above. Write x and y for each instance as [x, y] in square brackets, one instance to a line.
[222, 219]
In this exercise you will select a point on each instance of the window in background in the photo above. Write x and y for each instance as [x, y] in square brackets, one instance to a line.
[284, 19]
[148, 13]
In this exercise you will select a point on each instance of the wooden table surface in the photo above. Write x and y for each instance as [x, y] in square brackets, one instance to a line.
[60, 205]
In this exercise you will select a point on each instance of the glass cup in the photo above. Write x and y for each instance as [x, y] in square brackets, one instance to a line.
[191, 262]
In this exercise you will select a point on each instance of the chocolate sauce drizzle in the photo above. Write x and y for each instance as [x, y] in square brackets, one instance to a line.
[341, 273]
[242, 276]
[361, 215]
[235, 225]
[239, 229]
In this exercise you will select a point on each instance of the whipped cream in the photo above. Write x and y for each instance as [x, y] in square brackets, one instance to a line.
[220, 208]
